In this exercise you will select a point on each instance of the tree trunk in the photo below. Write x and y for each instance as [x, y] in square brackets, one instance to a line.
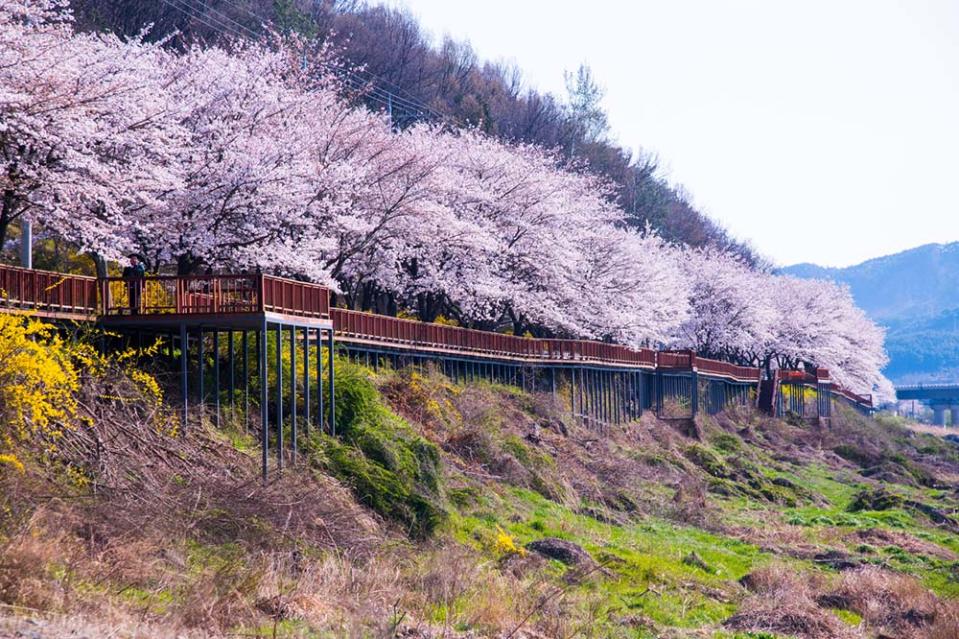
[185, 264]
[100, 263]
[7, 215]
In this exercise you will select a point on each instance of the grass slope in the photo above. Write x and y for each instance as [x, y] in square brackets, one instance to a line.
[415, 522]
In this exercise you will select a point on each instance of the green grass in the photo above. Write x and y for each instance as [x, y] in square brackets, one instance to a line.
[645, 571]
[390, 468]
[814, 516]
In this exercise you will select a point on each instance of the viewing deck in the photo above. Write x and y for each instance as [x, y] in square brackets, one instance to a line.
[241, 300]
[230, 301]
[48, 294]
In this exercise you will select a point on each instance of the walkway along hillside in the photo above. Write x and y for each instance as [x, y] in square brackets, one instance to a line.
[601, 383]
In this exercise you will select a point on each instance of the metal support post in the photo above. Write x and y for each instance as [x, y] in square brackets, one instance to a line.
[279, 395]
[216, 377]
[231, 352]
[293, 392]
[246, 377]
[261, 348]
[332, 391]
[306, 382]
[184, 368]
[320, 414]
[201, 365]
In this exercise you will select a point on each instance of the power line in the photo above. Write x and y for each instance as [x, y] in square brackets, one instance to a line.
[389, 100]
[191, 12]
[386, 98]
[230, 19]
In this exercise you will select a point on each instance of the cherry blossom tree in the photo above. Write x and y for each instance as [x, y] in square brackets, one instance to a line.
[818, 323]
[245, 197]
[251, 157]
[729, 311]
[83, 139]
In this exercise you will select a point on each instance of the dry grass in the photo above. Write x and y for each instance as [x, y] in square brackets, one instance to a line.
[783, 602]
[888, 602]
[882, 537]
[946, 623]
[890, 605]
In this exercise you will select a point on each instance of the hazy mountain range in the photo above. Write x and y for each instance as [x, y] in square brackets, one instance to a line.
[915, 295]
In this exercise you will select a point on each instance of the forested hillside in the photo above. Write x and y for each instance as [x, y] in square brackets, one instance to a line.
[917, 283]
[912, 294]
[395, 65]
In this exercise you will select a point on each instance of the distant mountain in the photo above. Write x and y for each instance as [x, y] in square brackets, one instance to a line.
[915, 295]
[920, 282]
[924, 349]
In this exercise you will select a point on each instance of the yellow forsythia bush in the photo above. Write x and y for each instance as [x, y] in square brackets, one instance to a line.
[506, 545]
[38, 384]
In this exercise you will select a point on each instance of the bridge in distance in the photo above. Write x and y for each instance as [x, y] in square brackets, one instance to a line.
[940, 397]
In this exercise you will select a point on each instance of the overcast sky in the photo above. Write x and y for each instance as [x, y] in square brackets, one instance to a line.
[821, 131]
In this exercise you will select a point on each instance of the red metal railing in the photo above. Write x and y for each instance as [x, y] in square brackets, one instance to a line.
[566, 349]
[179, 295]
[688, 360]
[291, 297]
[796, 377]
[862, 400]
[725, 369]
[212, 294]
[48, 293]
[675, 359]
[410, 333]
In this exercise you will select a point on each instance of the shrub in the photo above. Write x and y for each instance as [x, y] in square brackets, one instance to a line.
[390, 469]
[38, 382]
[874, 499]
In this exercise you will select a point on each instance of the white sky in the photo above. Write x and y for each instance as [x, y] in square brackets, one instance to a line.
[821, 131]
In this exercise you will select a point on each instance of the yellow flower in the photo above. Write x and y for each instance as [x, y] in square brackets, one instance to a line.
[506, 545]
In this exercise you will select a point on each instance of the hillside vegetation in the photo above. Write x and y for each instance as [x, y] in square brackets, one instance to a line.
[248, 157]
[449, 510]
[391, 55]
[912, 294]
